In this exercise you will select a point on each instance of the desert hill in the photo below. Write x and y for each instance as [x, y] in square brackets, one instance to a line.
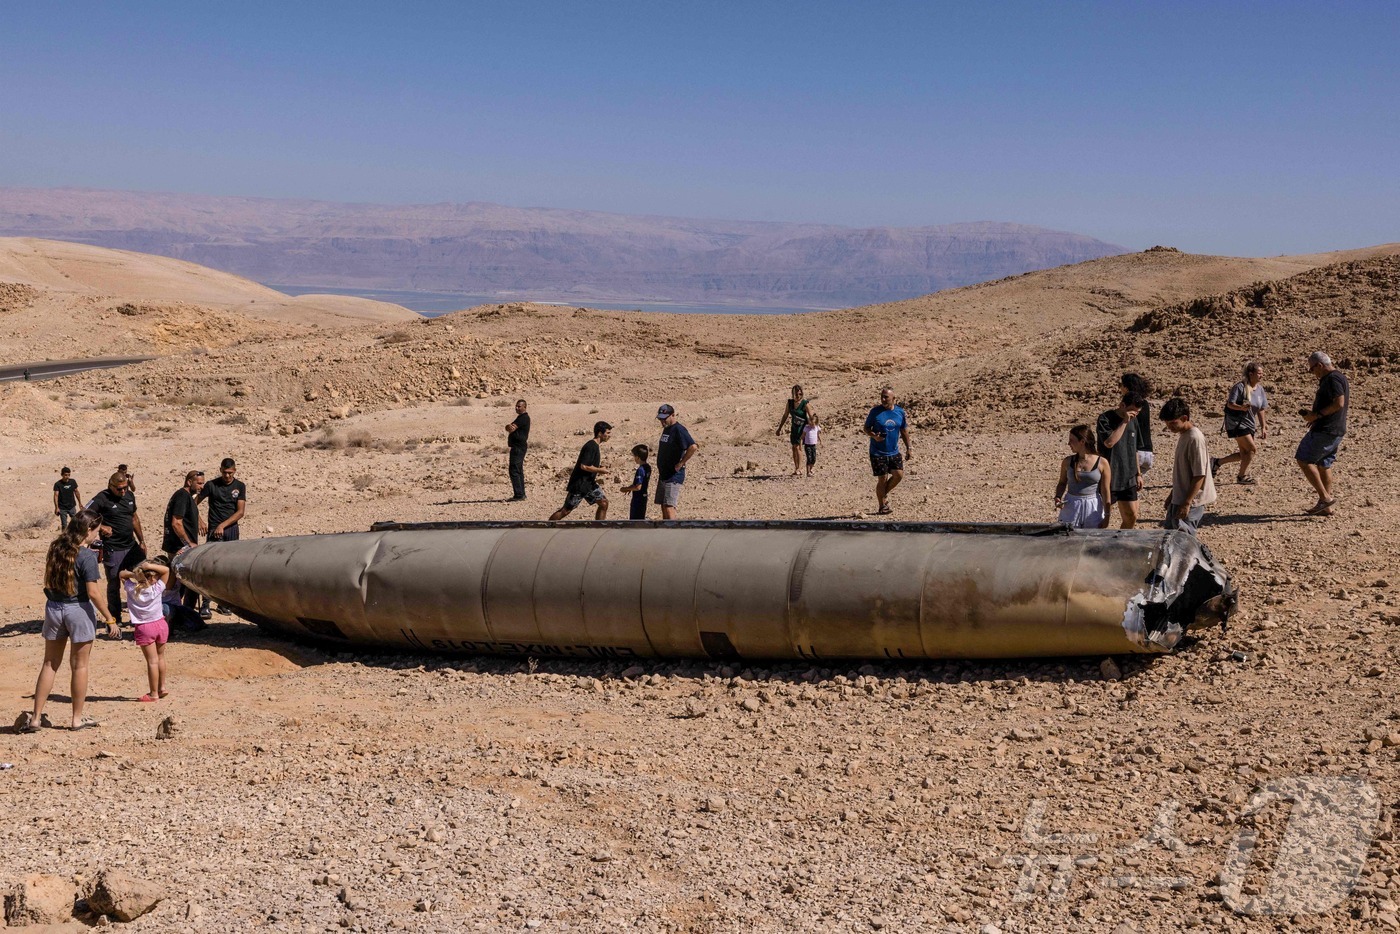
[63, 300]
[1193, 348]
[574, 256]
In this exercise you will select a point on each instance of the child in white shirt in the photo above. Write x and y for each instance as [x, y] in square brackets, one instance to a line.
[809, 442]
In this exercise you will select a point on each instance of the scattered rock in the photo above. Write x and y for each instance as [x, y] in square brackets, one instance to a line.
[1110, 671]
[122, 896]
[168, 728]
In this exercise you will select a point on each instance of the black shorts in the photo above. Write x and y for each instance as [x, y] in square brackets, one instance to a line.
[884, 464]
[1130, 495]
[811, 451]
[1238, 432]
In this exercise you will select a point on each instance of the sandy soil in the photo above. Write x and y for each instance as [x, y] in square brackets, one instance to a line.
[308, 790]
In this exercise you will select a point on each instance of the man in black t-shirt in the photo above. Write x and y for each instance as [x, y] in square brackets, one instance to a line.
[123, 541]
[228, 500]
[65, 498]
[182, 525]
[583, 480]
[1327, 424]
[517, 439]
[1117, 440]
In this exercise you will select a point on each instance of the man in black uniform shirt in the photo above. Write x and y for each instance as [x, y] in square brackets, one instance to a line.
[123, 541]
[182, 525]
[517, 437]
[228, 500]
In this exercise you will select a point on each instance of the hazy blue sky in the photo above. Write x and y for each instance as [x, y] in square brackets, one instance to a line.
[1246, 128]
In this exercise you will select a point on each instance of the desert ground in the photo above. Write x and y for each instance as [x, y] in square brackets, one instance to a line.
[312, 790]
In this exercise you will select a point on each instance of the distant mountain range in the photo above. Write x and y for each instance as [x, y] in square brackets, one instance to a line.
[543, 254]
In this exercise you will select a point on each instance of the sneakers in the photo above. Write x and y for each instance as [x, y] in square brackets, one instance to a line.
[205, 613]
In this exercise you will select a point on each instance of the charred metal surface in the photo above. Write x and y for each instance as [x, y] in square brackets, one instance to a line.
[796, 589]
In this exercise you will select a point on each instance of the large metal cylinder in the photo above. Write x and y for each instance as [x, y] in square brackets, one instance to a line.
[756, 590]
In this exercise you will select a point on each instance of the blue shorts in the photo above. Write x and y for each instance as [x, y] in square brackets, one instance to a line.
[1318, 448]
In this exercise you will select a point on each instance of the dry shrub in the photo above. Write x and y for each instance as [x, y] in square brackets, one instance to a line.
[397, 337]
[237, 418]
[328, 441]
[36, 520]
[359, 439]
[502, 402]
[362, 482]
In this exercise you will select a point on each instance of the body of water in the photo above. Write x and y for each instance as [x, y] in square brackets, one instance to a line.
[432, 304]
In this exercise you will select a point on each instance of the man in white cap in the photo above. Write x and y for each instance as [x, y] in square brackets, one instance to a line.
[676, 448]
[1327, 424]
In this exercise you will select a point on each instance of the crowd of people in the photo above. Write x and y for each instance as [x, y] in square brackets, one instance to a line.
[1104, 469]
[1105, 466]
[107, 533]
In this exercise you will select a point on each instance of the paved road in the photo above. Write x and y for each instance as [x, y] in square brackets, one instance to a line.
[50, 369]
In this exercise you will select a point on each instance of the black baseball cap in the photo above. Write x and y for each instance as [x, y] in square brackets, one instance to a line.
[666, 411]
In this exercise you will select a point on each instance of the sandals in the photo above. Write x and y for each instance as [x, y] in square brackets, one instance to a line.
[1246, 479]
[146, 699]
[884, 510]
[1323, 508]
[24, 723]
[87, 723]
[1214, 466]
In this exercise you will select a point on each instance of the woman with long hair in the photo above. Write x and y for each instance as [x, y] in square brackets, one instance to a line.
[1082, 495]
[1244, 420]
[799, 410]
[76, 600]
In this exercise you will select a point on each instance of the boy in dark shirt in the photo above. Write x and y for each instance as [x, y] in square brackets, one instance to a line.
[228, 501]
[583, 481]
[65, 498]
[1118, 442]
[641, 482]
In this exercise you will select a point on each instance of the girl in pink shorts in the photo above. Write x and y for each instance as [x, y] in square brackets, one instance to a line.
[144, 586]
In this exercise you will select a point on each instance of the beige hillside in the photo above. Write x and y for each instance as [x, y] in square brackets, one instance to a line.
[142, 278]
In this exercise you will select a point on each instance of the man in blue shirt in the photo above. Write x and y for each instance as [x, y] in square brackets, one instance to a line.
[672, 453]
[886, 425]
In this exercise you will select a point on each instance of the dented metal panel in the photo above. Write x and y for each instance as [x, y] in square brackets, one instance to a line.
[725, 589]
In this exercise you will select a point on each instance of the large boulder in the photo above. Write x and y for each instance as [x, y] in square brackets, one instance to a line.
[120, 896]
[39, 899]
